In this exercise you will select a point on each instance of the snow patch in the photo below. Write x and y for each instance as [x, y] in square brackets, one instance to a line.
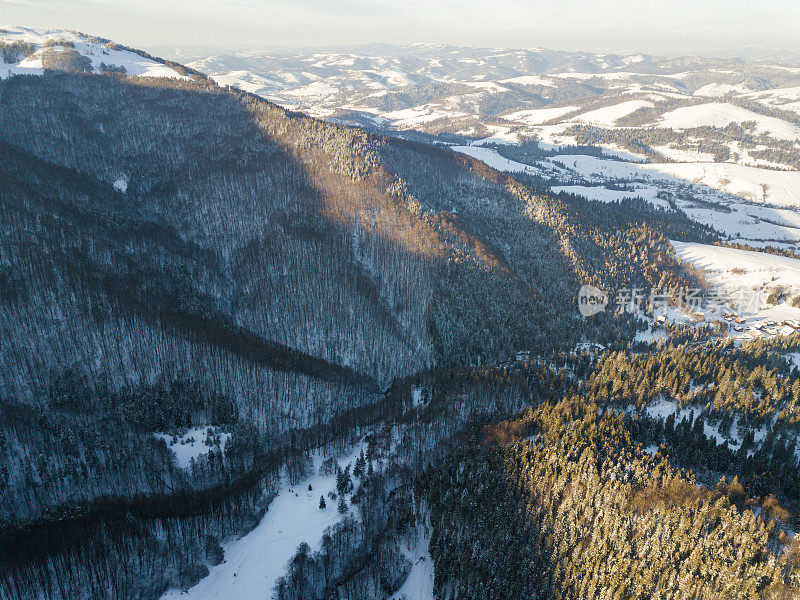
[194, 443]
[121, 184]
[662, 409]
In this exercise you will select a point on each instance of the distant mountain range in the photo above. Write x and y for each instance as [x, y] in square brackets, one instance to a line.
[477, 83]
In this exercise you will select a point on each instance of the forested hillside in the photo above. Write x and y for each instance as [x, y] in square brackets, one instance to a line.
[563, 504]
[175, 255]
[178, 260]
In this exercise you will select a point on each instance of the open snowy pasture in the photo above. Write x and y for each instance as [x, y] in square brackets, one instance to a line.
[775, 279]
[720, 114]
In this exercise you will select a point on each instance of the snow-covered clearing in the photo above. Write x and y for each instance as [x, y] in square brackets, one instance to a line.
[395, 78]
[603, 194]
[793, 358]
[498, 134]
[247, 81]
[408, 118]
[254, 562]
[756, 273]
[718, 90]
[683, 155]
[585, 76]
[537, 116]
[720, 114]
[783, 98]
[609, 115]
[661, 409]
[651, 449]
[555, 136]
[314, 91]
[194, 443]
[491, 157]
[489, 86]
[416, 396]
[121, 184]
[789, 93]
[650, 336]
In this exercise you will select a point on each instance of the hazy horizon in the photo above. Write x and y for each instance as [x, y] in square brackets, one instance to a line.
[622, 26]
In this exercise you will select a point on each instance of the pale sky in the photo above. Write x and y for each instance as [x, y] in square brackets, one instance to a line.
[652, 26]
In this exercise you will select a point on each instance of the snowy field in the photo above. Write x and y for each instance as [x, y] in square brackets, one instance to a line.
[409, 118]
[758, 272]
[743, 268]
[537, 116]
[603, 194]
[748, 204]
[494, 160]
[609, 115]
[254, 562]
[720, 114]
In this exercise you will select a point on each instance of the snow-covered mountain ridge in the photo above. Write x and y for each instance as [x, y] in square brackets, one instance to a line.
[718, 139]
[31, 51]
